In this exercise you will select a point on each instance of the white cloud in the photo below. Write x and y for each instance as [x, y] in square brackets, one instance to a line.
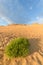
[39, 20]
[5, 19]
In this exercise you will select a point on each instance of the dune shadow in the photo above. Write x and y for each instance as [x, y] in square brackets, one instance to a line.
[34, 45]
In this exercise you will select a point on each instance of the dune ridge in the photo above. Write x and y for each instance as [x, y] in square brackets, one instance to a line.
[33, 32]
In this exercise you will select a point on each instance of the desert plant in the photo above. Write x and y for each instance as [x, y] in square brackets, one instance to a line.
[17, 47]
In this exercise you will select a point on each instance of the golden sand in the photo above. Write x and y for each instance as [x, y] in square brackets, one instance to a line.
[35, 35]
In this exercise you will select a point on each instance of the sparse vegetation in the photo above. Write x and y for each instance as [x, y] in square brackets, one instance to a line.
[18, 47]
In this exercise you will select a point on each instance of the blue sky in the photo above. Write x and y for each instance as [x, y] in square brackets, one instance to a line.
[21, 11]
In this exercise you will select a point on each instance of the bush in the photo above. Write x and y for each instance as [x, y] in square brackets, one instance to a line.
[17, 47]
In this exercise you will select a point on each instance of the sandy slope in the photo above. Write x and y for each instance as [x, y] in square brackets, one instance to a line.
[35, 35]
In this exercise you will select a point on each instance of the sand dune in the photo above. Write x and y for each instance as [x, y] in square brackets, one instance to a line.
[35, 35]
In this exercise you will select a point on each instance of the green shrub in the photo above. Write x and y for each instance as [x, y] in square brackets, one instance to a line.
[17, 47]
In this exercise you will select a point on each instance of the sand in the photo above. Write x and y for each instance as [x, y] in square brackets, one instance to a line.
[33, 32]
